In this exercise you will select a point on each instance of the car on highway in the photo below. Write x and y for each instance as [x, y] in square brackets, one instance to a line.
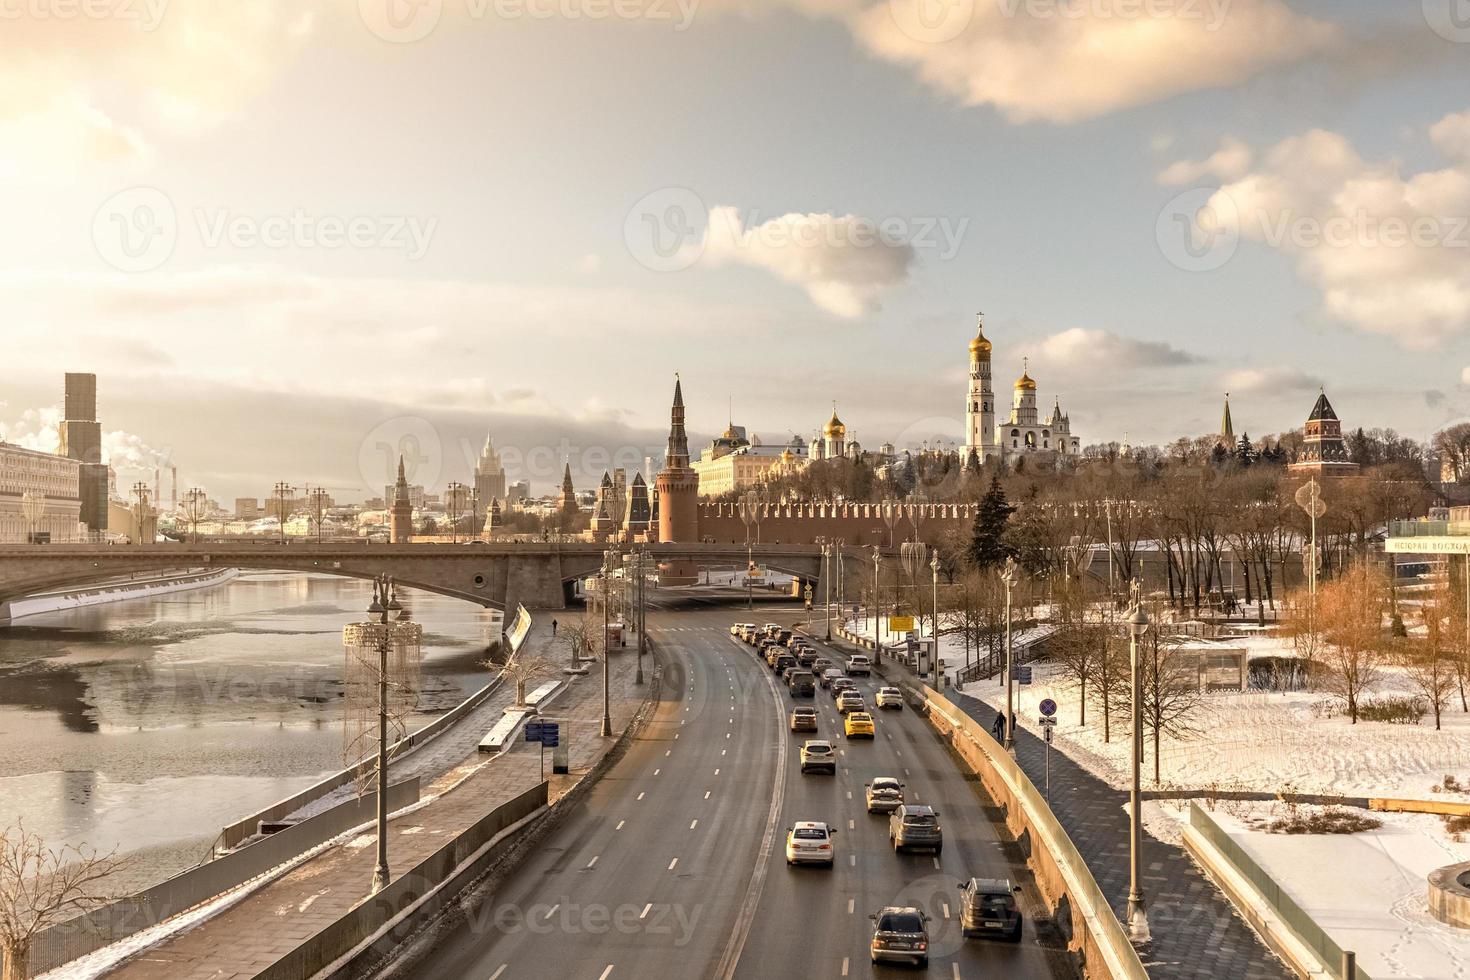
[840, 684]
[740, 628]
[809, 842]
[850, 701]
[915, 825]
[883, 795]
[829, 675]
[889, 697]
[988, 908]
[801, 684]
[803, 718]
[787, 671]
[771, 629]
[900, 935]
[859, 664]
[822, 663]
[806, 656]
[817, 755]
[857, 724]
[782, 661]
[784, 638]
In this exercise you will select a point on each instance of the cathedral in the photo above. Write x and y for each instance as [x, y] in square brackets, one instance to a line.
[1023, 433]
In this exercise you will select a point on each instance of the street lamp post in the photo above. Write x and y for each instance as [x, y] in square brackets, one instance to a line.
[283, 490]
[32, 506]
[1137, 916]
[1009, 576]
[642, 614]
[385, 604]
[606, 647]
[934, 613]
[877, 623]
[141, 491]
[827, 582]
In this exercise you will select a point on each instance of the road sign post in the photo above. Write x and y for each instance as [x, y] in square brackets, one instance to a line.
[547, 734]
[1048, 722]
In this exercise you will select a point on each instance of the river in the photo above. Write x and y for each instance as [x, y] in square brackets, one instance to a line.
[146, 725]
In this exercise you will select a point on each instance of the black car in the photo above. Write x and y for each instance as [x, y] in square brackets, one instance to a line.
[783, 661]
[840, 684]
[801, 684]
[988, 908]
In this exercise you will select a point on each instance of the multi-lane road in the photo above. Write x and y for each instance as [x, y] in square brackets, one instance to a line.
[673, 866]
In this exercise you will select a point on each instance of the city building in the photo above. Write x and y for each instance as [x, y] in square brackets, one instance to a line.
[519, 491]
[489, 480]
[734, 462]
[1323, 451]
[40, 497]
[1024, 434]
[247, 508]
[980, 433]
[609, 503]
[678, 495]
[81, 440]
[832, 442]
[566, 501]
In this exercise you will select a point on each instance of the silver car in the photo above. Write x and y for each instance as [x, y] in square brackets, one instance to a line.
[883, 795]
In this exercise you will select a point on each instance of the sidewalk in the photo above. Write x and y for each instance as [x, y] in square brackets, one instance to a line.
[1196, 931]
[272, 920]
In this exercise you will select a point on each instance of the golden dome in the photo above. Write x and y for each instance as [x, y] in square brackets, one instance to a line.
[980, 345]
[1024, 382]
[730, 434]
[834, 429]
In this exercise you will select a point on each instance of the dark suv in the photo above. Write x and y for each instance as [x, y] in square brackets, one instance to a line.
[915, 825]
[988, 908]
[900, 935]
[802, 684]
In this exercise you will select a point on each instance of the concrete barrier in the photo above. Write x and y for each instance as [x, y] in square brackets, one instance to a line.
[368, 917]
[1061, 873]
[1441, 807]
[117, 920]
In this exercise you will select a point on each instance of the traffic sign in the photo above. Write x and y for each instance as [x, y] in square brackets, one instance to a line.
[1047, 731]
[550, 741]
[1048, 707]
[1023, 675]
[1047, 721]
[545, 732]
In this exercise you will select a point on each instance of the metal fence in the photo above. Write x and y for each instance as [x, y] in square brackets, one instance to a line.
[1292, 914]
[84, 934]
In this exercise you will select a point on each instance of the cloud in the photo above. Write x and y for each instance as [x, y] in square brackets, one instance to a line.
[844, 262]
[1388, 252]
[1228, 163]
[1065, 62]
[1465, 377]
[1270, 379]
[96, 87]
[1102, 348]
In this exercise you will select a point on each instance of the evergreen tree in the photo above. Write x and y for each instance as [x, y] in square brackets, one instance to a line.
[1244, 452]
[1219, 455]
[972, 464]
[987, 545]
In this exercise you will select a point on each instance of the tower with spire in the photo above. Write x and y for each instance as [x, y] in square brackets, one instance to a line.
[400, 514]
[566, 501]
[489, 479]
[1323, 452]
[980, 407]
[1024, 432]
[1227, 426]
[678, 495]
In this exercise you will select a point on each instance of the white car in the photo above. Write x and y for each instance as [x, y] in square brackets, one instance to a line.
[738, 627]
[859, 663]
[889, 697]
[809, 842]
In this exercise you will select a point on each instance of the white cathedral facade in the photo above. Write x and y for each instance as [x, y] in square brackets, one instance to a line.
[1023, 432]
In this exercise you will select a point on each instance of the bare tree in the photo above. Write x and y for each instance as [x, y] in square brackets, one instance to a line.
[1453, 446]
[40, 887]
[1109, 676]
[581, 637]
[1077, 644]
[523, 669]
[1431, 665]
[1350, 613]
[1171, 691]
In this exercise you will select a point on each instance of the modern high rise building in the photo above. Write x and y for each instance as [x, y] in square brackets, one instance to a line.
[81, 440]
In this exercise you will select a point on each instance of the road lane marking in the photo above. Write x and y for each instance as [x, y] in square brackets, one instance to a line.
[956, 970]
[852, 860]
[936, 864]
[606, 972]
[657, 771]
[672, 863]
[646, 909]
[850, 903]
[668, 753]
[706, 794]
[593, 863]
[849, 794]
[693, 824]
[497, 973]
[907, 773]
[851, 825]
[552, 911]
[620, 825]
[717, 772]
[727, 734]
[676, 736]
[640, 796]
[844, 966]
[945, 906]
[723, 751]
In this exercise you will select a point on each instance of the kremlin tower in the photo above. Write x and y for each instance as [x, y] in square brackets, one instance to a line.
[678, 496]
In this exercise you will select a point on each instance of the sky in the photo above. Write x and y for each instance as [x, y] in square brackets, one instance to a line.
[294, 239]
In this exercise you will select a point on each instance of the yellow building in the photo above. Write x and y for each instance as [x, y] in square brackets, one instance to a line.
[732, 462]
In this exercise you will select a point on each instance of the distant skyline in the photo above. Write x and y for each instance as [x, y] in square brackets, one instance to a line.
[274, 229]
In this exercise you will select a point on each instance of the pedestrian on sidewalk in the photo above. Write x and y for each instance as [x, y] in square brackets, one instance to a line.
[999, 728]
[553, 627]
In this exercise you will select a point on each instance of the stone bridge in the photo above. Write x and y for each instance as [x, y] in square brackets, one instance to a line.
[498, 575]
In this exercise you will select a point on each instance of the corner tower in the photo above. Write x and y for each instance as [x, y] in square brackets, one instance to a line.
[678, 495]
[400, 516]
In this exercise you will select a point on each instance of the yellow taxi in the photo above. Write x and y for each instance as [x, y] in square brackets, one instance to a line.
[858, 724]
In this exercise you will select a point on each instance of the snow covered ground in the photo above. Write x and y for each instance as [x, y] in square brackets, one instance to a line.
[1367, 890]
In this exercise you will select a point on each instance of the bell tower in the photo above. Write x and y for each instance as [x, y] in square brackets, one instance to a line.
[980, 407]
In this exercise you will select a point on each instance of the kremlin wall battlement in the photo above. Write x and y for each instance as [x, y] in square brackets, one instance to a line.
[852, 523]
